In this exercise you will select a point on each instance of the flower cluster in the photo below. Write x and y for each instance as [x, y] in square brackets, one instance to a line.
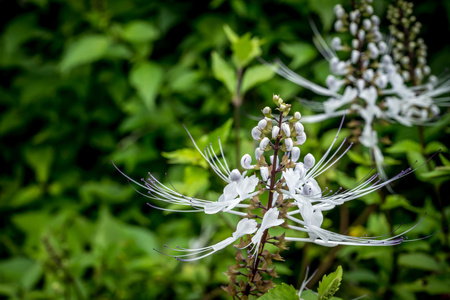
[373, 76]
[295, 202]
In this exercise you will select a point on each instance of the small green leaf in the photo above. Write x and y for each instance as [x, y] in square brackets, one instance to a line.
[146, 78]
[330, 284]
[84, 50]
[420, 261]
[301, 53]
[185, 156]
[245, 49]
[231, 35]
[281, 292]
[140, 31]
[40, 159]
[255, 75]
[404, 146]
[223, 72]
[359, 158]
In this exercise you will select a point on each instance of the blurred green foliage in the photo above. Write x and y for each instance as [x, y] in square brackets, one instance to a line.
[87, 82]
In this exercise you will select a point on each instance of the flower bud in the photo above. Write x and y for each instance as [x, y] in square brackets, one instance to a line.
[373, 50]
[361, 34]
[336, 43]
[360, 84]
[275, 131]
[300, 169]
[286, 129]
[434, 110]
[338, 25]
[406, 75]
[354, 15]
[256, 133]
[266, 111]
[382, 47]
[355, 56]
[262, 124]
[418, 73]
[309, 161]
[278, 161]
[367, 24]
[235, 175]
[426, 70]
[386, 59]
[368, 75]
[338, 11]
[282, 107]
[295, 154]
[264, 143]
[301, 139]
[264, 173]
[289, 144]
[355, 43]
[381, 81]
[375, 20]
[299, 129]
[297, 115]
[353, 28]
[246, 162]
[258, 153]
[369, 9]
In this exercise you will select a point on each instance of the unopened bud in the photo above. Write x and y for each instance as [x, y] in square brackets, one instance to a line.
[297, 115]
[361, 34]
[309, 161]
[381, 81]
[336, 43]
[267, 111]
[264, 143]
[262, 124]
[338, 25]
[256, 133]
[286, 129]
[375, 20]
[369, 9]
[264, 173]
[367, 24]
[258, 153]
[382, 47]
[246, 162]
[295, 154]
[355, 43]
[355, 56]
[353, 28]
[299, 129]
[275, 131]
[301, 139]
[289, 144]
[368, 75]
[360, 84]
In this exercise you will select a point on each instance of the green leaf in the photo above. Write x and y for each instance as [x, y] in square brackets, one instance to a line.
[330, 284]
[231, 35]
[420, 261]
[394, 201]
[404, 146]
[245, 49]
[281, 292]
[224, 72]
[359, 158]
[185, 156]
[309, 295]
[195, 180]
[146, 78]
[139, 31]
[84, 50]
[255, 75]
[40, 160]
[301, 53]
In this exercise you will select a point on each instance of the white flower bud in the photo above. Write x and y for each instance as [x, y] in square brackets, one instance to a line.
[286, 129]
[375, 20]
[295, 154]
[266, 110]
[300, 169]
[361, 34]
[360, 84]
[289, 144]
[404, 60]
[264, 173]
[301, 139]
[246, 162]
[354, 15]
[355, 43]
[256, 133]
[299, 129]
[309, 161]
[418, 73]
[377, 36]
[406, 75]
[258, 153]
[434, 110]
[355, 56]
[262, 124]
[422, 60]
[235, 175]
[386, 59]
[353, 28]
[367, 24]
[368, 75]
[264, 143]
[338, 11]
[373, 50]
[382, 47]
[275, 131]
[369, 9]
[338, 25]
[433, 80]
[282, 107]
[297, 115]
[426, 70]
[381, 81]
[336, 43]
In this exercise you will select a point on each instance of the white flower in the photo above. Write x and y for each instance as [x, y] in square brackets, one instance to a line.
[295, 154]
[289, 144]
[256, 133]
[246, 162]
[264, 143]
[286, 129]
[275, 131]
[262, 124]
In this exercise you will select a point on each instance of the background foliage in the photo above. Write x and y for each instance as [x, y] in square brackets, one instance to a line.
[87, 82]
